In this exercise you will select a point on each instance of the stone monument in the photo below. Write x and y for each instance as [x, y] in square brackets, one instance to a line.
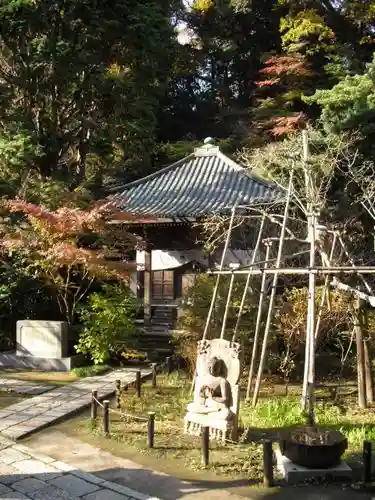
[42, 339]
[42, 345]
[216, 393]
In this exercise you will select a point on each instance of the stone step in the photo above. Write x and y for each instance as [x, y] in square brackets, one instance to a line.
[158, 334]
[162, 315]
[162, 311]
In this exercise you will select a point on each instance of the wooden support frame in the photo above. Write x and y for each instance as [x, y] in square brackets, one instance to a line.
[309, 203]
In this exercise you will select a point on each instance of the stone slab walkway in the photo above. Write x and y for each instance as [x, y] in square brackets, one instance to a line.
[26, 474]
[22, 419]
[24, 387]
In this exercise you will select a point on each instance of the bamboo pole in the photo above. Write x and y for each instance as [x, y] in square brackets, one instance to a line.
[368, 373]
[305, 143]
[347, 288]
[216, 289]
[244, 295]
[325, 288]
[346, 251]
[258, 263]
[273, 293]
[310, 330]
[227, 305]
[257, 327]
[318, 270]
[369, 379]
[360, 355]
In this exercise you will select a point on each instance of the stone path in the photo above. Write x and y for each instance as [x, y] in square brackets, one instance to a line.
[21, 419]
[24, 386]
[124, 471]
[26, 474]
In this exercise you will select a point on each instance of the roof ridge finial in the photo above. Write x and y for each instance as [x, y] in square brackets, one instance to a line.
[207, 149]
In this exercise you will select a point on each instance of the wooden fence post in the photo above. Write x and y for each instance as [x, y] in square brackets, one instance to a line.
[138, 383]
[106, 417]
[151, 429]
[367, 452]
[267, 464]
[205, 445]
[118, 394]
[94, 404]
[153, 365]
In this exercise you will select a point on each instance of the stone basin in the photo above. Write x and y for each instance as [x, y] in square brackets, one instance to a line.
[313, 447]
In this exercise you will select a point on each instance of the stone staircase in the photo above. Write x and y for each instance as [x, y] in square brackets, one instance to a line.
[163, 315]
[155, 339]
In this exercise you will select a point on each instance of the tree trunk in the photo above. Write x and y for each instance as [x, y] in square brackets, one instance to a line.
[368, 374]
[360, 356]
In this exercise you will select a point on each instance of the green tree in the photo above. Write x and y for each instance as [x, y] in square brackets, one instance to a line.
[350, 21]
[79, 77]
[321, 43]
[214, 76]
[349, 105]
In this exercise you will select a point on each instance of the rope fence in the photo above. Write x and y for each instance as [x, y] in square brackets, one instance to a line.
[151, 423]
[268, 454]
[150, 419]
[167, 368]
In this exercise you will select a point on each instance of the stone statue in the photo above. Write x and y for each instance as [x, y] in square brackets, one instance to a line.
[214, 391]
[216, 394]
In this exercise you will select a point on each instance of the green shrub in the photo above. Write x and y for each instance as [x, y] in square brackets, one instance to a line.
[108, 319]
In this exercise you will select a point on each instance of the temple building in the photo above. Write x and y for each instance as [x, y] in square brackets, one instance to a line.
[169, 203]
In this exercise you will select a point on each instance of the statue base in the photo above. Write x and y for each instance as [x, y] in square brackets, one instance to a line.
[220, 430]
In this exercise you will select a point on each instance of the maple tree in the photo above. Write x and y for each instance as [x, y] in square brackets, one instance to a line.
[68, 248]
[282, 82]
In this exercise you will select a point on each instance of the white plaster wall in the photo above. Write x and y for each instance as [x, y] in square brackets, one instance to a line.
[170, 259]
[163, 259]
[133, 282]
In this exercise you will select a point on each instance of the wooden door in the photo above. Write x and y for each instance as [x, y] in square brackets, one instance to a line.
[162, 284]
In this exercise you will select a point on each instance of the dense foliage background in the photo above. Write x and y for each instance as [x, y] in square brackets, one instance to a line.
[96, 94]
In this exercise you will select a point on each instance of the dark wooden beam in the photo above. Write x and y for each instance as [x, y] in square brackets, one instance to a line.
[147, 296]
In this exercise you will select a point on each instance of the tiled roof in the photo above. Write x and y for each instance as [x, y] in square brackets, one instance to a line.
[205, 182]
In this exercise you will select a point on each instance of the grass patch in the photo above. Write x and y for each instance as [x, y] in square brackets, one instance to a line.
[169, 403]
[180, 454]
[90, 371]
[272, 416]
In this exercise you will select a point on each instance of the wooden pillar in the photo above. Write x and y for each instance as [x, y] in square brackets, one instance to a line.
[147, 296]
[360, 355]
